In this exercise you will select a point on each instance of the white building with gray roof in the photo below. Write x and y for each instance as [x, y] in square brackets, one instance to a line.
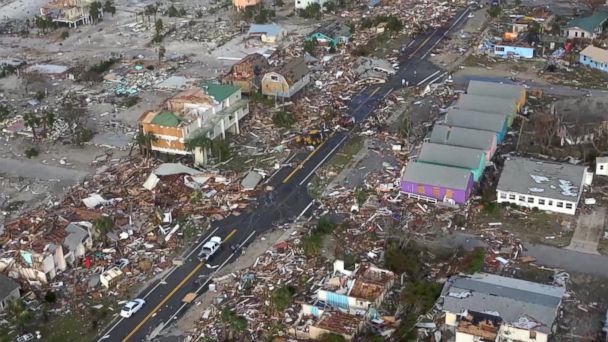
[544, 185]
[528, 310]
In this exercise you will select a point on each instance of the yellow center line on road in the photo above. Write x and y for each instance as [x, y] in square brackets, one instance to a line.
[231, 234]
[162, 302]
[297, 168]
[421, 45]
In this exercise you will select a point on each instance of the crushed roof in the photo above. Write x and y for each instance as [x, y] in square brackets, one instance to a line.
[339, 322]
[476, 120]
[589, 23]
[596, 54]
[294, 70]
[451, 156]
[437, 175]
[518, 302]
[542, 178]
[486, 104]
[461, 136]
[219, 92]
[494, 89]
[167, 119]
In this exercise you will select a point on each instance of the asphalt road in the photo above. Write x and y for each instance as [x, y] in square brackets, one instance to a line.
[289, 200]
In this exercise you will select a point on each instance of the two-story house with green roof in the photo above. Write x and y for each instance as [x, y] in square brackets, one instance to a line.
[590, 27]
[210, 110]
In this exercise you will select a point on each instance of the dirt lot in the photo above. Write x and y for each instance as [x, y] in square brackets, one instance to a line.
[529, 225]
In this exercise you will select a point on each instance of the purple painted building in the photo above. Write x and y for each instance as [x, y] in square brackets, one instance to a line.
[437, 183]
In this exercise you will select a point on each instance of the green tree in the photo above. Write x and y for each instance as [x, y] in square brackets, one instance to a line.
[48, 121]
[367, 23]
[325, 225]
[158, 26]
[281, 298]
[151, 10]
[279, 3]
[172, 11]
[495, 11]
[200, 144]
[109, 7]
[103, 225]
[18, 313]
[234, 323]
[161, 53]
[50, 297]
[33, 122]
[394, 24]
[182, 12]
[361, 196]
[95, 9]
[330, 6]
[283, 119]
[313, 10]
[145, 141]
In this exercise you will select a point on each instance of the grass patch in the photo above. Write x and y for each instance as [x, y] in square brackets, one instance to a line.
[474, 261]
[336, 163]
[312, 243]
[76, 326]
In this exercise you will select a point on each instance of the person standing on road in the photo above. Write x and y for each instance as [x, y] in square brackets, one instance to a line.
[403, 82]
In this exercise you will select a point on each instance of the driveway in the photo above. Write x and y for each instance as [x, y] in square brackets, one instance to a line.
[589, 229]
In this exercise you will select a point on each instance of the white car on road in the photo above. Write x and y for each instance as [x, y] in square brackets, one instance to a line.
[209, 248]
[132, 307]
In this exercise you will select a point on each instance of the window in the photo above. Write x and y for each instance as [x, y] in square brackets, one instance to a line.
[512, 197]
[601, 167]
[499, 49]
[530, 199]
[582, 34]
[274, 78]
[532, 335]
[550, 202]
[436, 192]
[503, 195]
[522, 198]
[568, 205]
[541, 201]
[448, 193]
[560, 204]
[420, 189]
[576, 33]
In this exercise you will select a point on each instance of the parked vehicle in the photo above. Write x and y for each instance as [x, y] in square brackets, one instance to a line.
[209, 248]
[132, 307]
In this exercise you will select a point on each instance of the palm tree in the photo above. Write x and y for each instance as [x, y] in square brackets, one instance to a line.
[200, 145]
[235, 324]
[48, 120]
[145, 141]
[18, 312]
[33, 122]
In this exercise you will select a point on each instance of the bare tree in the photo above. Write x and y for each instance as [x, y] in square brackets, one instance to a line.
[546, 126]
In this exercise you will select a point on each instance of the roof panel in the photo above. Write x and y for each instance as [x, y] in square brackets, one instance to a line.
[437, 175]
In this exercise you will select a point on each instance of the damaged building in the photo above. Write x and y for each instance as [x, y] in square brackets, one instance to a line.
[247, 73]
[287, 79]
[71, 12]
[209, 111]
[488, 307]
[545, 185]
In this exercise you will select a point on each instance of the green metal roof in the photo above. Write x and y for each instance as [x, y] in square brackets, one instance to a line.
[589, 23]
[219, 92]
[167, 119]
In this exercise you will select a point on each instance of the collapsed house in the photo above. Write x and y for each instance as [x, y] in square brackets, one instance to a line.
[247, 73]
[343, 301]
[544, 185]
[332, 34]
[207, 111]
[489, 307]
